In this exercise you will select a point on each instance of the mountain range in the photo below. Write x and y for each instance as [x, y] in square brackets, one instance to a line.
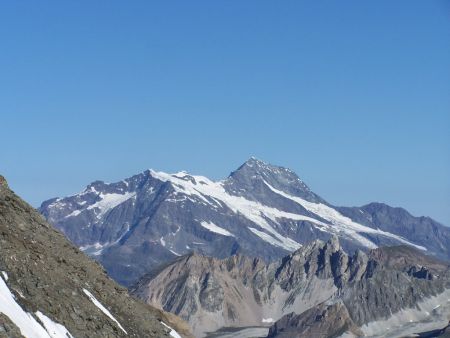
[260, 210]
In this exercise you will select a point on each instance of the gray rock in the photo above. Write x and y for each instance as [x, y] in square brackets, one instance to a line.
[321, 277]
[8, 329]
[321, 321]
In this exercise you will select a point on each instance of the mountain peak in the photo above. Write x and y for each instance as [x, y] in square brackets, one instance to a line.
[255, 176]
[254, 161]
[254, 167]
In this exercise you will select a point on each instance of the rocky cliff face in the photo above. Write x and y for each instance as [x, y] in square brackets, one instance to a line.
[324, 320]
[261, 210]
[49, 288]
[319, 278]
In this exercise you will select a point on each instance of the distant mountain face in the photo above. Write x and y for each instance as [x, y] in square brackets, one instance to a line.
[260, 210]
[50, 289]
[317, 291]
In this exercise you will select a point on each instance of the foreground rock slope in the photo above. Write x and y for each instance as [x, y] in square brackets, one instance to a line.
[49, 288]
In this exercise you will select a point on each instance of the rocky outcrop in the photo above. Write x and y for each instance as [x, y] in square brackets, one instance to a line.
[48, 280]
[260, 210]
[321, 321]
[7, 328]
[210, 293]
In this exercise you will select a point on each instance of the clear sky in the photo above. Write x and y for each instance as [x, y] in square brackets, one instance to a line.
[352, 95]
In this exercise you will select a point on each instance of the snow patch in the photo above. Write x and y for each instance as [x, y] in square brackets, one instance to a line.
[266, 237]
[267, 320]
[55, 330]
[175, 253]
[73, 213]
[5, 276]
[95, 249]
[102, 308]
[214, 228]
[162, 241]
[173, 333]
[27, 324]
[109, 201]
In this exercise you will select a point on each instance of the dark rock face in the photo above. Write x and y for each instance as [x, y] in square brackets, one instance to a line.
[342, 292]
[327, 321]
[389, 284]
[46, 273]
[262, 210]
[446, 332]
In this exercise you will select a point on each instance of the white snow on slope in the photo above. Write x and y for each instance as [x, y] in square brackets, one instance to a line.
[214, 228]
[103, 309]
[73, 213]
[163, 242]
[97, 248]
[175, 253]
[101, 207]
[5, 275]
[110, 201]
[265, 237]
[94, 249]
[173, 333]
[55, 330]
[28, 326]
[341, 222]
[213, 193]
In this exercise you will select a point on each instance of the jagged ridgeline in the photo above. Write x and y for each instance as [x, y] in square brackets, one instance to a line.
[317, 291]
[259, 210]
[49, 288]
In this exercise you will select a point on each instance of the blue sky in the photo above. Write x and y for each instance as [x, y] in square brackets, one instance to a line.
[352, 95]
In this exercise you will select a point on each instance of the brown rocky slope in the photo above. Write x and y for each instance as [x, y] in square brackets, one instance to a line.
[46, 273]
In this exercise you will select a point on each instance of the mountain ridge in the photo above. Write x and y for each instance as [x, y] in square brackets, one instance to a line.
[258, 210]
[211, 293]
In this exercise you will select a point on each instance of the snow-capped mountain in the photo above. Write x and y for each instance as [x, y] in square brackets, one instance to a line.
[134, 225]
